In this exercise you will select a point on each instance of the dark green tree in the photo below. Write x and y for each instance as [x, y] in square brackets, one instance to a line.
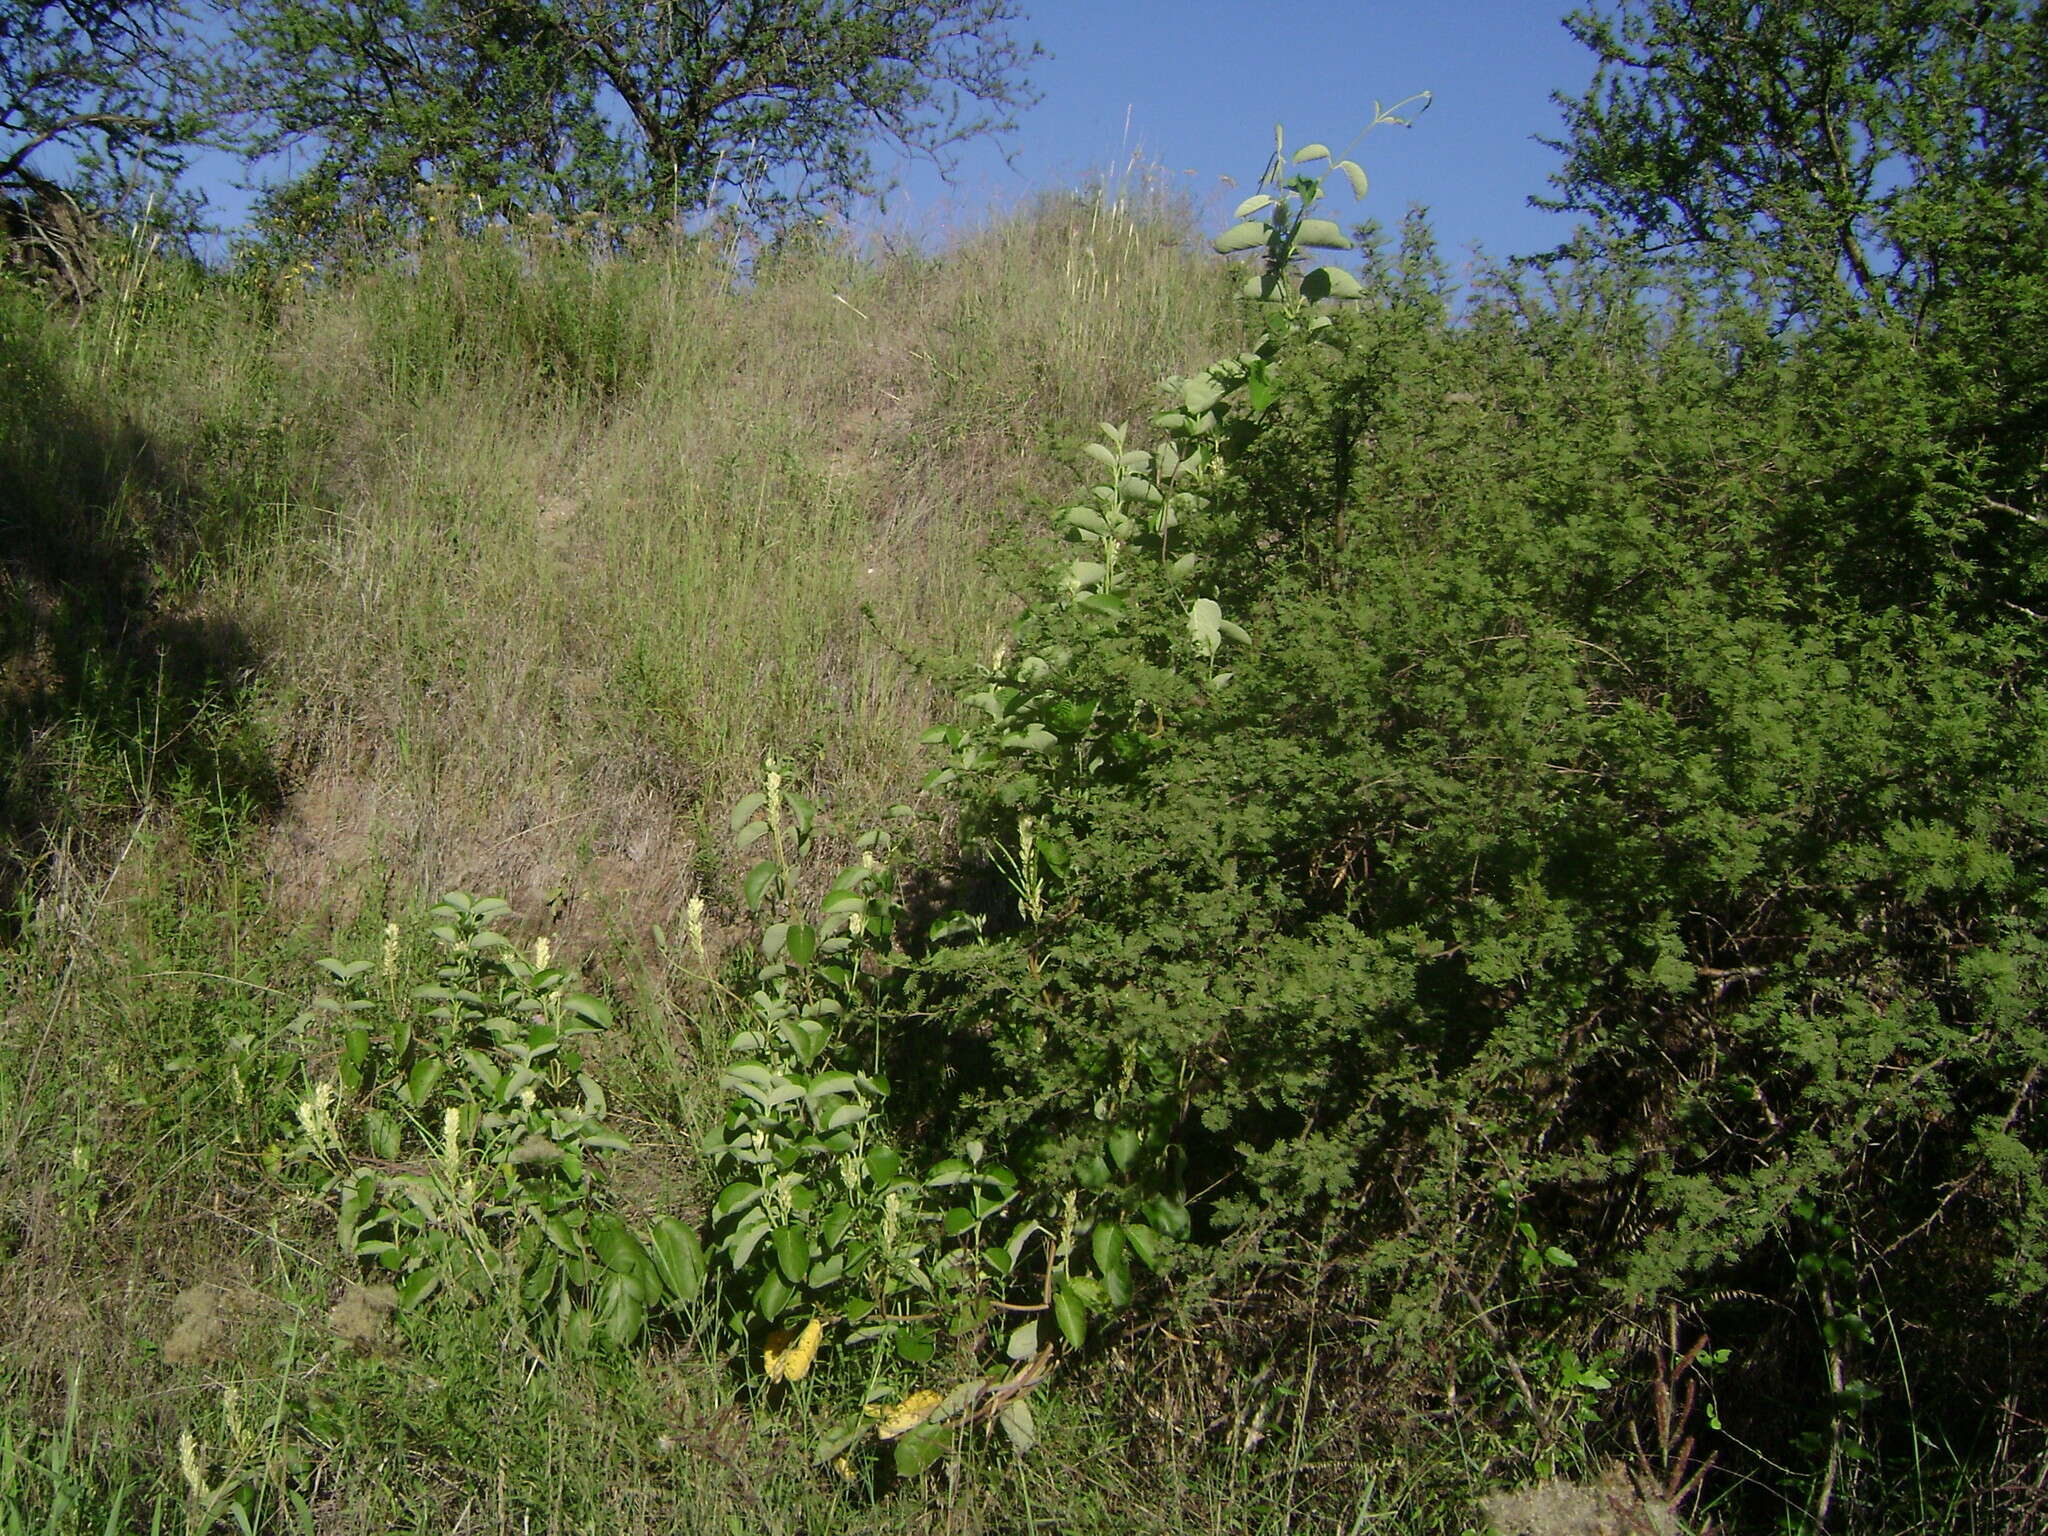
[413, 100]
[1864, 155]
[1874, 165]
[640, 112]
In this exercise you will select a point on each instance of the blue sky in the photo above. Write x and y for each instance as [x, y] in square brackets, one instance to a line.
[1195, 91]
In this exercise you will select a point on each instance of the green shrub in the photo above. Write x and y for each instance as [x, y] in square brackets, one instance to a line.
[462, 1135]
[1604, 871]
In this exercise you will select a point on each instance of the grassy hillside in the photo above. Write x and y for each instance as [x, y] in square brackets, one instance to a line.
[500, 567]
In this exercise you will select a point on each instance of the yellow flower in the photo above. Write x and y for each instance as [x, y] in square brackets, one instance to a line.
[906, 1415]
[190, 1464]
[789, 1354]
[694, 919]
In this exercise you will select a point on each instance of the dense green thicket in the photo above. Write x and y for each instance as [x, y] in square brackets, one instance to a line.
[1611, 882]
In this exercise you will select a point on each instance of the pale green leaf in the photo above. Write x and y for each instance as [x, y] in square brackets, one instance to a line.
[1322, 234]
[1200, 393]
[1242, 237]
[1017, 1424]
[1330, 283]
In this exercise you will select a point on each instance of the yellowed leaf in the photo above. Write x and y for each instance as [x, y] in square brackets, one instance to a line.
[906, 1415]
[789, 1354]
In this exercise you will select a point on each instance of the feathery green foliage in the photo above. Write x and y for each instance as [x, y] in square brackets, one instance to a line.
[463, 110]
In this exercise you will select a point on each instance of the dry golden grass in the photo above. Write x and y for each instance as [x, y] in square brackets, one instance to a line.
[530, 635]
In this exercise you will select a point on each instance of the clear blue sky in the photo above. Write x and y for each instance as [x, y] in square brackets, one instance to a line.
[1195, 90]
[1200, 87]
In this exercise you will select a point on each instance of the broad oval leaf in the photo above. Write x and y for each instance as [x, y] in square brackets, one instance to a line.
[1242, 237]
[583, 1005]
[620, 1311]
[1023, 1342]
[1167, 1217]
[617, 1247]
[920, 1447]
[772, 1296]
[1200, 393]
[1107, 1243]
[1018, 1424]
[421, 1081]
[758, 879]
[746, 1237]
[1323, 234]
[734, 1198]
[1124, 1143]
[1071, 1314]
[792, 1253]
[916, 1345]
[1145, 1243]
[678, 1259]
[1330, 283]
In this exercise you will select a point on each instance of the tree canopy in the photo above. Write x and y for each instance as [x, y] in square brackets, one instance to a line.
[635, 111]
[94, 95]
[1858, 154]
[99, 101]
